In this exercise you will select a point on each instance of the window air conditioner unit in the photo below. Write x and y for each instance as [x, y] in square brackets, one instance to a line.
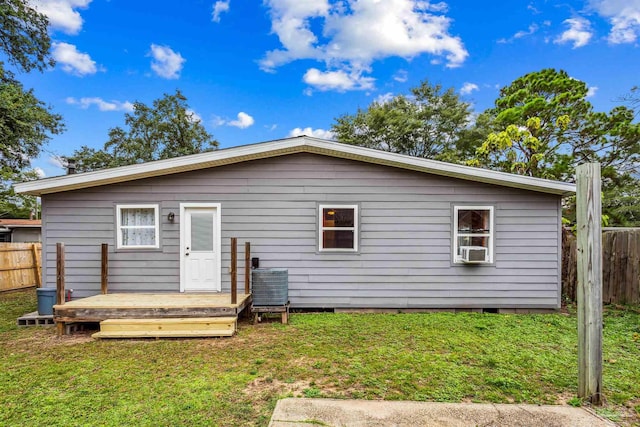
[471, 254]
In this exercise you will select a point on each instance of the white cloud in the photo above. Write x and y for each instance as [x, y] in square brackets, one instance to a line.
[290, 21]
[383, 98]
[318, 133]
[401, 76]
[348, 36]
[244, 121]
[467, 88]
[532, 29]
[62, 14]
[339, 80]
[56, 161]
[193, 116]
[624, 17]
[166, 63]
[217, 121]
[579, 32]
[102, 105]
[219, 8]
[73, 61]
[591, 91]
[437, 7]
[40, 172]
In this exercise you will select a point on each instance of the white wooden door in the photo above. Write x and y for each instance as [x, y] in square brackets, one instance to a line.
[200, 249]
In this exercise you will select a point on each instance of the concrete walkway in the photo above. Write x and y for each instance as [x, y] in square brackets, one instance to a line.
[355, 413]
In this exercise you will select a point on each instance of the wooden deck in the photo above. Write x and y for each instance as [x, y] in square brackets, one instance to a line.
[149, 306]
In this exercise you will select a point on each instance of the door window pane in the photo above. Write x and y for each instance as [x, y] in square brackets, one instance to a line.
[202, 231]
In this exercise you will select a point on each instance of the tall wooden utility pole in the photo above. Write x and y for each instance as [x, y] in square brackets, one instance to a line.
[589, 217]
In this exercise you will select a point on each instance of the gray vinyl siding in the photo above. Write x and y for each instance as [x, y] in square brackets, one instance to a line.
[404, 258]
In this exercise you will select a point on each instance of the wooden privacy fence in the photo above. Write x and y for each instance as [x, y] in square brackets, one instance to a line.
[620, 266]
[20, 265]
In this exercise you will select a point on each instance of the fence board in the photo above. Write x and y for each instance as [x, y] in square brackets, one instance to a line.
[620, 266]
[20, 265]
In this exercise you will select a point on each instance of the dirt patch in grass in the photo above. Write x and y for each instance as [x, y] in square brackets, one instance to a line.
[46, 338]
[565, 398]
[627, 415]
[270, 386]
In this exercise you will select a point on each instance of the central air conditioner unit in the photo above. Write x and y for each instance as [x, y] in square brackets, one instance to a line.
[270, 286]
[473, 254]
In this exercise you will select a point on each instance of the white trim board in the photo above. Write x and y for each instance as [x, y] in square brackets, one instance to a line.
[302, 144]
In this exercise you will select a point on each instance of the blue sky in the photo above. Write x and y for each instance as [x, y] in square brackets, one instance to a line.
[256, 71]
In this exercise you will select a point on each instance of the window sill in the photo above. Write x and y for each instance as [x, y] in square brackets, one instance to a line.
[138, 249]
[337, 251]
[472, 264]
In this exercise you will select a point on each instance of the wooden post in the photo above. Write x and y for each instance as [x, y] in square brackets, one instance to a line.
[37, 270]
[60, 282]
[247, 267]
[589, 293]
[104, 269]
[234, 271]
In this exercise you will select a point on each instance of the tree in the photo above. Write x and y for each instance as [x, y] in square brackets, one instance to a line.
[620, 202]
[24, 37]
[632, 98]
[165, 130]
[25, 125]
[14, 205]
[25, 122]
[544, 126]
[431, 123]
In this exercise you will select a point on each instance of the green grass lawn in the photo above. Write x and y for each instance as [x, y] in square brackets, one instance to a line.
[461, 357]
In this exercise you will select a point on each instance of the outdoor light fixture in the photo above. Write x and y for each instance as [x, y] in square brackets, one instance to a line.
[171, 217]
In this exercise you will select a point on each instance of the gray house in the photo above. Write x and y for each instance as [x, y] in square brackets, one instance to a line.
[355, 227]
[20, 230]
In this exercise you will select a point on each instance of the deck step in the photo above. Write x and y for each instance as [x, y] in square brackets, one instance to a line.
[168, 327]
[165, 334]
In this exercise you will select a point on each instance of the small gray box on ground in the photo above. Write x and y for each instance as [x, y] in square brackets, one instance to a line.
[270, 286]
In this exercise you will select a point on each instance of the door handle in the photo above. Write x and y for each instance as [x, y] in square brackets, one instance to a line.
[187, 252]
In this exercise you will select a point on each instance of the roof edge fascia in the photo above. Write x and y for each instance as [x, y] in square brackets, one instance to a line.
[283, 147]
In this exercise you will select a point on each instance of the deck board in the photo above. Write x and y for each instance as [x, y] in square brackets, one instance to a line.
[139, 305]
[133, 300]
[165, 334]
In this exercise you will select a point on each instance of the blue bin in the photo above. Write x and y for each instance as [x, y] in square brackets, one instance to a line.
[46, 300]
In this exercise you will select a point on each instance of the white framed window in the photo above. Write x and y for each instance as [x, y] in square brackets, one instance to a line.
[473, 234]
[137, 227]
[338, 228]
